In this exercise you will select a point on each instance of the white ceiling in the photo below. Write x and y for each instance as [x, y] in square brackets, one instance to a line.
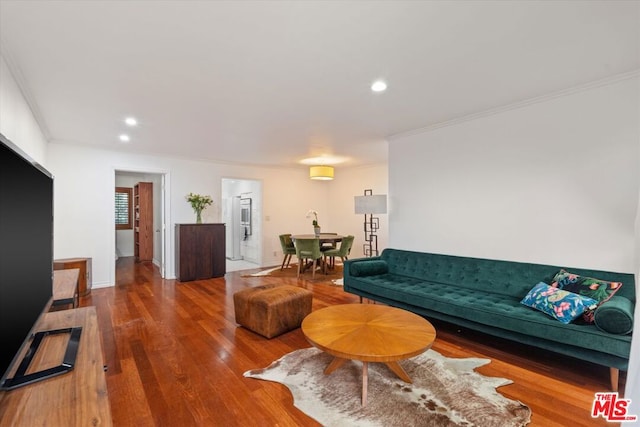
[271, 83]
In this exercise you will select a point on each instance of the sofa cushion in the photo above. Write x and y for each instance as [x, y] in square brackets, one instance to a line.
[562, 305]
[369, 268]
[615, 316]
[597, 289]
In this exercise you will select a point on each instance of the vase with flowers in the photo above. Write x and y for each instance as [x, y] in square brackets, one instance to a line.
[198, 203]
[316, 226]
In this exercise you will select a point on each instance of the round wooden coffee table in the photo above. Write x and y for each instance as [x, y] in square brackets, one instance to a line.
[369, 333]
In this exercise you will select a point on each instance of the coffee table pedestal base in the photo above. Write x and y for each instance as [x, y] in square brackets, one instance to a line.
[394, 366]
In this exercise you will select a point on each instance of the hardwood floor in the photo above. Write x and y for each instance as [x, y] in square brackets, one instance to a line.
[175, 357]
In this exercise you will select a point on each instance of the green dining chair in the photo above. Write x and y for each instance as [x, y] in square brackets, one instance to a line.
[343, 252]
[308, 249]
[288, 249]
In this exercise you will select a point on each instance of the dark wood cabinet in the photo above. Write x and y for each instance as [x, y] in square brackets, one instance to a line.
[200, 251]
[84, 276]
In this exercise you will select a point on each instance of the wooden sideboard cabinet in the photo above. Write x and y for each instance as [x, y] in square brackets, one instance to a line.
[84, 277]
[200, 251]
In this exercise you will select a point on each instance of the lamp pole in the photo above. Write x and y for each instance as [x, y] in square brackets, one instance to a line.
[368, 205]
[370, 236]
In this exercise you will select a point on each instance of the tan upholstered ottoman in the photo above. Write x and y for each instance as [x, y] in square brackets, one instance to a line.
[272, 310]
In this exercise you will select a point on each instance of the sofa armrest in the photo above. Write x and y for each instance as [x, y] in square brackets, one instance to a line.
[367, 267]
[615, 316]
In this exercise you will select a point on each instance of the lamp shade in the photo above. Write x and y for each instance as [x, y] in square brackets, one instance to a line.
[373, 204]
[324, 173]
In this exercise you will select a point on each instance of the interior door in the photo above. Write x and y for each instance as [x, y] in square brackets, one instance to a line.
[163, 228]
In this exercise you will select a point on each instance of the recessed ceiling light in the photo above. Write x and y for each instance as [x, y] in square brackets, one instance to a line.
[131, 121]
[124, 138]
[378, 86]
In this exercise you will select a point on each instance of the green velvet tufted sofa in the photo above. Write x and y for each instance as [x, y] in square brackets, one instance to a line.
[485, 295]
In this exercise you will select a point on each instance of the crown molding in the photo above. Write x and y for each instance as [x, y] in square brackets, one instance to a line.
[516, 105]
[21, 82]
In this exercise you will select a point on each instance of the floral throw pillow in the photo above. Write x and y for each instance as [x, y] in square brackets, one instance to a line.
[600, 290]
[562, 305]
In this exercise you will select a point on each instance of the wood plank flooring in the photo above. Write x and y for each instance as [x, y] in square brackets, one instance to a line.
[175, 357]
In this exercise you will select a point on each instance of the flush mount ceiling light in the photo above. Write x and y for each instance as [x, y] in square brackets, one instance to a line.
[124, 138]
[322, 173]
[379, 86]
[131, 121]
[325, 159]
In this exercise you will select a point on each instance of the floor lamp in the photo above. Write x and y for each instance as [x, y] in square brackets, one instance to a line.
[371, 204]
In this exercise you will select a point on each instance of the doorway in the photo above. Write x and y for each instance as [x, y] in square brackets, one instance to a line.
[124, 238]
[241, 212]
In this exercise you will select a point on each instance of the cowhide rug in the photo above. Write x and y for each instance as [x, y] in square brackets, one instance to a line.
[334, 275]
[445, 392]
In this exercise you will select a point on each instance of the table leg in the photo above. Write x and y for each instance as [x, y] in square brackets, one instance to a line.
[397, 369]
[365, 382]
[394, 366]
[335, 364]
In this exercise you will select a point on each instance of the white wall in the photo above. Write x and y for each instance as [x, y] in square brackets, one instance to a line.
[554, 182]
[17, 122]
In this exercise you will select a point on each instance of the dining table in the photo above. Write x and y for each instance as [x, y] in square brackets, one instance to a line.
[322, 238]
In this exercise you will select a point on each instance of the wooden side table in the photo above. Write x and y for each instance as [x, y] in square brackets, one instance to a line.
[65, 287]
[82, 264]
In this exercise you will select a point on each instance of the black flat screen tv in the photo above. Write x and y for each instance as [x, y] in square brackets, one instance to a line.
[26, 256]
